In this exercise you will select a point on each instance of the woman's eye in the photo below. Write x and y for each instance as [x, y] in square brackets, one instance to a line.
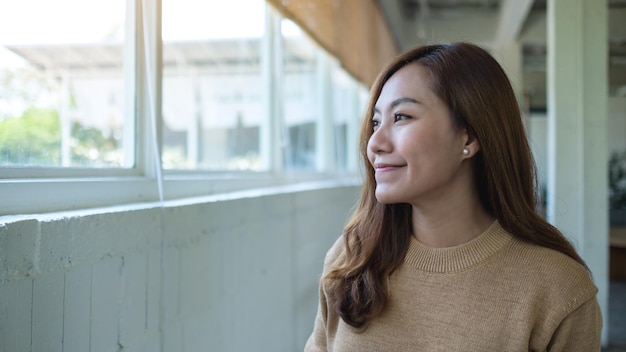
[375, 123]
[400, 117]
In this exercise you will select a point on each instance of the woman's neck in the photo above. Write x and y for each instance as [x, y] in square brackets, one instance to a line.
[451, 224]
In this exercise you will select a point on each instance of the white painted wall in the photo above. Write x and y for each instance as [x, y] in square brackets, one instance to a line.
[240, 273]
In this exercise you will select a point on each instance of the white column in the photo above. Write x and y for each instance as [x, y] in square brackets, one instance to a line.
[577, 132]
[509, 55]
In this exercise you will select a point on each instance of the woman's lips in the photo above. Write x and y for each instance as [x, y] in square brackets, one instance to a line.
[382, 167]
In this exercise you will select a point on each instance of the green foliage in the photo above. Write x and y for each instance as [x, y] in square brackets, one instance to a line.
[617, 180]
[89, 144]
[32, 139]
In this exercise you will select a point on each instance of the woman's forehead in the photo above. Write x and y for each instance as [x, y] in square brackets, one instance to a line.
[411, 81]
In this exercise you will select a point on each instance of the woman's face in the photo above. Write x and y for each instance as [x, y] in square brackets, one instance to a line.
[415, 149]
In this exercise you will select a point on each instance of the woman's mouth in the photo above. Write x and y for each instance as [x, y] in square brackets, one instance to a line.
[383, 167]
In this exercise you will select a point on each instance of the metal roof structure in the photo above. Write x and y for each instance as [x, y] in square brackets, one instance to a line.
[240, 54]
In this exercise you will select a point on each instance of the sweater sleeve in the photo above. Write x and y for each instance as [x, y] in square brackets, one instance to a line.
[322, 329]
[580, 330]
[317, 340]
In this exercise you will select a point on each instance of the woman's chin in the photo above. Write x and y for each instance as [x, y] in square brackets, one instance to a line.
[387, 197]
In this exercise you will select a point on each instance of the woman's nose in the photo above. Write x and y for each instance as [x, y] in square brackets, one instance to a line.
[379, 141]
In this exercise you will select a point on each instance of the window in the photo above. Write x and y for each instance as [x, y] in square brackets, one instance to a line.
[213, 94]
[229, 98]
[348, 100]
[65, 99]
[300, 92]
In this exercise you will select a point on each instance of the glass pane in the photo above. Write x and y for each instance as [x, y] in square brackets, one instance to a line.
[345, 112]
[212, 88]
[300, 97]
[63, 95]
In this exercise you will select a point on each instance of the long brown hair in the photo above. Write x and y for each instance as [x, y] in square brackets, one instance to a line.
[480, 98]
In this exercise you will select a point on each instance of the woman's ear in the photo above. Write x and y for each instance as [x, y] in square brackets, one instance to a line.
[472, 146]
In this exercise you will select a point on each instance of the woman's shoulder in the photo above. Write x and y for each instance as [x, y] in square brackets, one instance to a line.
[335, 251]
[553, 262]
[554, 273]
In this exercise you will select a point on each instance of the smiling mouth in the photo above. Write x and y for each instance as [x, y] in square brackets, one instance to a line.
[386, 167]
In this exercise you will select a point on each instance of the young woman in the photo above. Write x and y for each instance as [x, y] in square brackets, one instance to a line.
[445, 251]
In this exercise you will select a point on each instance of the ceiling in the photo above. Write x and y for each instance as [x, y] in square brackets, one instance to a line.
[489, 22]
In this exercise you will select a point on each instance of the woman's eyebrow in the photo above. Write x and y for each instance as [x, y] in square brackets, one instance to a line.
[402, 101]
[398, 102]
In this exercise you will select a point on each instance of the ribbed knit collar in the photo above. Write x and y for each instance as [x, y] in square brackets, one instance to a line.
[459, 257]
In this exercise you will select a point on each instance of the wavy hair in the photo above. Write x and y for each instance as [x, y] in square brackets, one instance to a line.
[480, 98]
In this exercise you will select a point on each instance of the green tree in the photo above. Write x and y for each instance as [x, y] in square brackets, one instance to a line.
[32, 139]
[91, 146]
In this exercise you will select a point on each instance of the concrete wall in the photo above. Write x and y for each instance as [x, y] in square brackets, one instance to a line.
[235, 273]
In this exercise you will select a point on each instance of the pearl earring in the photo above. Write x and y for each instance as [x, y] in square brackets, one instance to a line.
[465, 151]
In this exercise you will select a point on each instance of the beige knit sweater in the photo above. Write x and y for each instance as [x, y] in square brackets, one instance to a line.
[494, 293]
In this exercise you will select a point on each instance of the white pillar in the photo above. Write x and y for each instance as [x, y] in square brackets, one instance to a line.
[509, 55]
[577, 133]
